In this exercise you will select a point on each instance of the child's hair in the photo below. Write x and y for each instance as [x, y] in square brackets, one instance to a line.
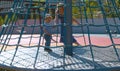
[48, 15]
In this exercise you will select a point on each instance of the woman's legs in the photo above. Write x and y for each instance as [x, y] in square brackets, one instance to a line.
[74, 41]
[62, 38]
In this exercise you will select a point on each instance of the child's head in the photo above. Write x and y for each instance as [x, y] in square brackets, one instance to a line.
[48, 18]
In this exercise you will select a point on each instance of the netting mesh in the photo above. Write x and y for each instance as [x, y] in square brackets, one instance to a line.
[22, 43]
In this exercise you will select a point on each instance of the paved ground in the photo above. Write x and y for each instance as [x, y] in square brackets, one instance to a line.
[96, 39]
[81, 59]
[25, 56]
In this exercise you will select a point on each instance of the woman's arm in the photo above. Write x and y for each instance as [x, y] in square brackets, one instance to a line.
[56, 20]
[74, 20]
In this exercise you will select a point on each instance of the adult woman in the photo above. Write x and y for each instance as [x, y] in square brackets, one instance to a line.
[59, 14]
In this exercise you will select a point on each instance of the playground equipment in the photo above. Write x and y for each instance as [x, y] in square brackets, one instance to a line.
[22, 42]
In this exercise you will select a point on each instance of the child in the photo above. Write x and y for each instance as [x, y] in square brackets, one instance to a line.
[47, 28]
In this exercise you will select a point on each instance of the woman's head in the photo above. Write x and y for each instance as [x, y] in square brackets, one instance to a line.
[60, 7]
[48, 18]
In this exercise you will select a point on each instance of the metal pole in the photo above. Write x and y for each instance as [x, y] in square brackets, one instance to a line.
[68, 27]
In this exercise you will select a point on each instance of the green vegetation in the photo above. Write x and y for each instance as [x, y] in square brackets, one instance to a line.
[92, 9]
[1, 21]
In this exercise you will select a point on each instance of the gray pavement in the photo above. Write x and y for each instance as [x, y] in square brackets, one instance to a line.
[81, 60]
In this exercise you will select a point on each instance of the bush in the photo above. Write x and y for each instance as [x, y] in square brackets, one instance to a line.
[1, 21]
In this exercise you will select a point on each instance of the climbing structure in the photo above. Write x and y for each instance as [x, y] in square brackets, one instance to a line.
[22, 43]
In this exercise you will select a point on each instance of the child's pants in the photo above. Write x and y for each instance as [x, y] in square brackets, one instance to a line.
[47, 40]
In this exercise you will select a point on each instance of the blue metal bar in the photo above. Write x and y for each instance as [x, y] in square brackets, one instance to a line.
[33, 28]
[108, 28]
[68, 28]
[11, 29]
[4, 29]
[90, 44]
[25, 22]
[91, 12]
[41, 33]
[82, 27]
[116, 25]
[115, 8]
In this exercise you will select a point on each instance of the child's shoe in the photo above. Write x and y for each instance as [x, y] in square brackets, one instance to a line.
[48, 49]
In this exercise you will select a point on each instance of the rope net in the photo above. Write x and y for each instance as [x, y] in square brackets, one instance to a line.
[22, 40]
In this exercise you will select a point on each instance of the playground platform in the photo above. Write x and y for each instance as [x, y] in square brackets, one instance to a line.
[25, 57]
